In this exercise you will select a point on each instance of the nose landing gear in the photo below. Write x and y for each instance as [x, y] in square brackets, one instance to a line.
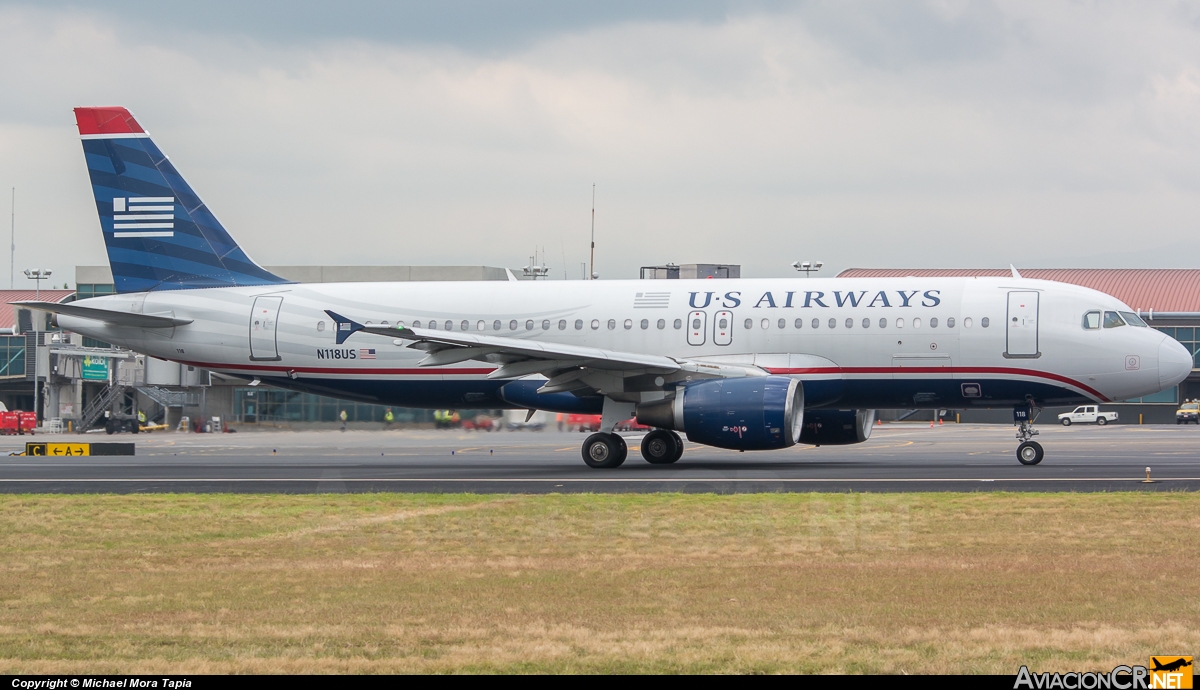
[1029, 452]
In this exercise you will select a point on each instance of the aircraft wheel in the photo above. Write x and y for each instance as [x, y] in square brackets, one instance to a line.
[1101, 421]
[660, 447]
[604, 451]
[1066, 422]
[1030, 453]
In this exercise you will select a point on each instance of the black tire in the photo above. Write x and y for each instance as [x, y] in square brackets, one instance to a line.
[1101, 421]
[678, 445]
[660, 447]
[1030, 453]
[604, 451]
[1066, 421]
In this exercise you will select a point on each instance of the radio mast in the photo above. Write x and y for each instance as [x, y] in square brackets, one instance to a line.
[592, 262]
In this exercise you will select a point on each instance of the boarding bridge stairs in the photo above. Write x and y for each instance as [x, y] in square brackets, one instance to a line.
[99, 404]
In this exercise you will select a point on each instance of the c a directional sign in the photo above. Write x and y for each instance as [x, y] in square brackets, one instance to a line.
[64, 450]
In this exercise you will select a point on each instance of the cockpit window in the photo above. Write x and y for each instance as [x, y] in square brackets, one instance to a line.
[1113, 320]
[1133, 319]
[1091, 320]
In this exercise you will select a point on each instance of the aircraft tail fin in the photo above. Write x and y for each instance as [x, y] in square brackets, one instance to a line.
[159, 234]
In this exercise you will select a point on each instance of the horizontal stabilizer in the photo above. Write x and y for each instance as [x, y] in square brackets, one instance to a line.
[116, 318]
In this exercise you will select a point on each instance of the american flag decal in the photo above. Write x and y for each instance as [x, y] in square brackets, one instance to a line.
[366, 353]
[652, 300]
[146, 216]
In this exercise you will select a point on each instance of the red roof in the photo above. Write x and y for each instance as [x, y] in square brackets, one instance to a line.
[1160, 289]
[8, 315]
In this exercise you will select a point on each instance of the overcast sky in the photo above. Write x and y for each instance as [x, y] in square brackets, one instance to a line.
[470, 132]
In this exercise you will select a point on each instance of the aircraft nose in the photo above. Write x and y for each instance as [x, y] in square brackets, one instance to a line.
[1174, 363]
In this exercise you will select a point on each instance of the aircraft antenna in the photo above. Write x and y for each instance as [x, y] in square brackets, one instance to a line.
[592, 262]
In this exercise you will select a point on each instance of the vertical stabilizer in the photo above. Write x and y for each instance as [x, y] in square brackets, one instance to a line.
[159, 234]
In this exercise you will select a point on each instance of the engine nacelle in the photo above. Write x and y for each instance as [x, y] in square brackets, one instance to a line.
[837, 427]
[753, 413]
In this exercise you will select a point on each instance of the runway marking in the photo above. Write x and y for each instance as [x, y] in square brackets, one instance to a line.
[610, 480]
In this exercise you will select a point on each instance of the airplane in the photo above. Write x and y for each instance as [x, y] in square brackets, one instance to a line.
[741, 364]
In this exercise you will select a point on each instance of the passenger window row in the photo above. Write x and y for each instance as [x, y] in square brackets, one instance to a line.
[866, 322]
[529, 324]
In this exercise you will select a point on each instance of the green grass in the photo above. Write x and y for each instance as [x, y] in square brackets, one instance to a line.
[578, 583]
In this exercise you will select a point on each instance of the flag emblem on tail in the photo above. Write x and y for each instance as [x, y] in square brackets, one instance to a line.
[366, 353]
[144, 216]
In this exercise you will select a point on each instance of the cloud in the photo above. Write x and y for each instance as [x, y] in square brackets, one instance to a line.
[941, 133]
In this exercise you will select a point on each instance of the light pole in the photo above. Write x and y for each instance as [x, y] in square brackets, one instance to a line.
[38, 274]
[808, 267]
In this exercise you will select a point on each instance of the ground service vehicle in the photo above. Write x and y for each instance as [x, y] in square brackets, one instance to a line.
[1087, 414]
[1188, 413]
[739, 364]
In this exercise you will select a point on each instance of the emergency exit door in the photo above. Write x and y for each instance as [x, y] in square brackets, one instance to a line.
[1022, 324]
[264, 324]
[697, 324]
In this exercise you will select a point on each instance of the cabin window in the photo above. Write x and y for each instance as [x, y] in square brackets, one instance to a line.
[1091, 320]
[883, 323]
[612, 324]
[950, 322]
[799, 323]
[723, 323]
[383, 323]
[466, 325]
[678, 324]
[749, 323]
[416, 323]
[320, 326]
[595, 324]
[766, 324]
[916, 322]
[449, 325]
[782, 324]
[481, 326]
[546, 324]
[496, 325]
[579, 324]
[1133, 319]
[1111, 320]
[399, 324]
[866, 323]
[628, 324]
[833, 323]
[984, 322]
[816, 323]
[562, 324]
[662, 323]
[529, 324]
[900, 322]
[967, 322]
[432, 325]
[645, 324]
[933, 322]
[849, 323]
[512, 325]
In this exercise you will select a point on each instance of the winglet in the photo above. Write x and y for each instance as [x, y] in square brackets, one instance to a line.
[512, 277]
[1014, 271]
[344, 327]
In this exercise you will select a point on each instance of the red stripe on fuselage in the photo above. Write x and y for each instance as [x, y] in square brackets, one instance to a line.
[945, 370]
[483, 371]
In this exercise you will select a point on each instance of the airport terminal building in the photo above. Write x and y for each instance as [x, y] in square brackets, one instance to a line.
[78, 378]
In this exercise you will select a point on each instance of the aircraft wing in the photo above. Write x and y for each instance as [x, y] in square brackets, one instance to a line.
[569, 367]
[116, 318]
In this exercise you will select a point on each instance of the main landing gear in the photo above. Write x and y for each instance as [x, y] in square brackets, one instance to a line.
[605, 451]
[662, 447]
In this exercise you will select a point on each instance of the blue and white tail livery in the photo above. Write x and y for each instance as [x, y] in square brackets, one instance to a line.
[741, 364]
[159, 234]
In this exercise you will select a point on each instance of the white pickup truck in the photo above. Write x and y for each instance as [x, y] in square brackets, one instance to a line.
[1087, 414]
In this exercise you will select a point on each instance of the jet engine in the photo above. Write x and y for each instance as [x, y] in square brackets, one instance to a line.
[837, 427]
[753, 413]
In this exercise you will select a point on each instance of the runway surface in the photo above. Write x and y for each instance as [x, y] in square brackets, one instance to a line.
[898, 457]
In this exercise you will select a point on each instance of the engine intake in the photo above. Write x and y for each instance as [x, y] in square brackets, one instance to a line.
[753, 413]
[837, 427]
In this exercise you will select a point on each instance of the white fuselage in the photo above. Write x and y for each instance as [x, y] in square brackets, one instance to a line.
[873, 342]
